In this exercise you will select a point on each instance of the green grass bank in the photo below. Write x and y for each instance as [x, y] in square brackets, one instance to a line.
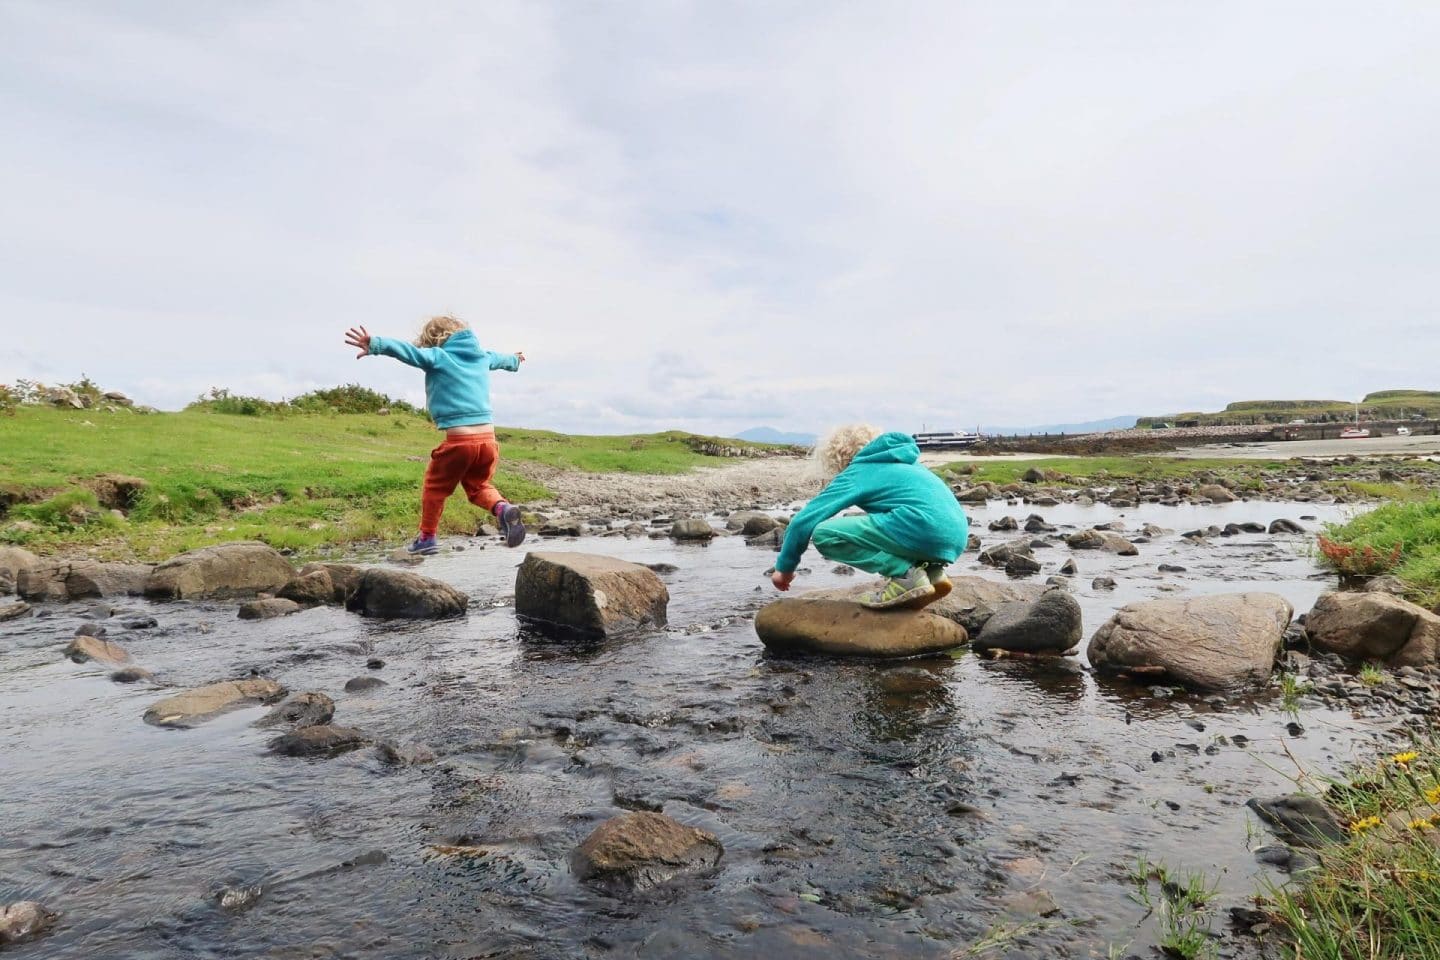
[1402, 539]
[301, 480]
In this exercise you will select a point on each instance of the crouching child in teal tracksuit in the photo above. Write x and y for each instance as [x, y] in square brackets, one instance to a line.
[912, 528]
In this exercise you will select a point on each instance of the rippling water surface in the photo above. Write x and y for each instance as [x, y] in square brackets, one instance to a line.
[867, 810]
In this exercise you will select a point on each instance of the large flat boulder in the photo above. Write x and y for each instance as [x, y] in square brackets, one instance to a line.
[12, 561]
[201, 703]
[815, 623]
[395, 594]
[1211, 643]
[78, 579]
[310, 589]
[638, 851]
[1049, 624]
[1374, 626]
[318, 740]
[23, 921]
[589, 594]
[240, 569]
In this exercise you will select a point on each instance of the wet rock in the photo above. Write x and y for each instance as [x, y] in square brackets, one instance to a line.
[771, 539]
[90, 630]
[1001, 554]
[1374, 626]
[974, 495]
[226, 570]
[843, 570]
[1050, 624]
[361, 684]
[374, 663]
[1004, 524]
[1101, 540]
[1036, 524]
[1069, 569]
[692, 528]
[74, 580]
[344, 578]
[23, 921]
[13, 611]
[1170, 568]
[589, 594]
[268, 608]
[321, 740]
[310, 589]
[973, 600]
[1210, 643]
[201, 703]
[664, 569]
[395, 594]
[972, 543]
[14, 560]
[140, 623]
[638, 851]
[85, 648]
[757, 524]
[841, 627]
[1298, 818]
[1022, 565]
[1216, 493]
[1103, 583]
[1031, 903]
[308, 709]
[131, 675]
[404, 755]
[1284, 526]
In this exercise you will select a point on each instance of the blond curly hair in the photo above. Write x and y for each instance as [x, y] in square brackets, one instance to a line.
[838, 447]
[439, 329]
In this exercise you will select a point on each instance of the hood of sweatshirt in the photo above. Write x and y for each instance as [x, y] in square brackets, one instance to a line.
[463, 345]
[891, 447]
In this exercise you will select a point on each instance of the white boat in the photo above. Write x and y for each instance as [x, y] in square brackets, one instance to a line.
[1354, 433]
[946, 438]
[1402, 431]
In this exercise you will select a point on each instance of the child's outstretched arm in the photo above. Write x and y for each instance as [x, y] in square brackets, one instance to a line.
[422, 357]
[507, 361]
[830, 501]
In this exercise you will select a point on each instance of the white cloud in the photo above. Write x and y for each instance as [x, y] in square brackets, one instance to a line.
[711, 216]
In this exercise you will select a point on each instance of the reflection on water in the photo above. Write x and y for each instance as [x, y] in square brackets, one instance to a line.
[867, 810]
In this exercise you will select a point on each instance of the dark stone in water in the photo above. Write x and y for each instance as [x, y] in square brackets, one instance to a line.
[663, 568]
[131, 675]
[302, 710]
[374, 663]
[140, 623]
[404, 755]
[638, 851]
[359, 684]
[1298, 818]
[322, 740]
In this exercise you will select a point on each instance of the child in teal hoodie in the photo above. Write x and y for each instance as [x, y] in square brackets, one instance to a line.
[457, 394]
[912, 529]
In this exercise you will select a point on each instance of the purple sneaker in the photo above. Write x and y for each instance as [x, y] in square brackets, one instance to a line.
[512, 528]
[423, 546]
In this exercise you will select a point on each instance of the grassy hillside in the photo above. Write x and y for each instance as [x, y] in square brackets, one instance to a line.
[299, 480]
[1381, 405]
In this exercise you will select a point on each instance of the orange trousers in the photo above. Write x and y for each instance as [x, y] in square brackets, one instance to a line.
[467, 461]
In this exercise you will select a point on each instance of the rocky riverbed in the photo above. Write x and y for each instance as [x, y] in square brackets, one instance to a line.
[447, 797]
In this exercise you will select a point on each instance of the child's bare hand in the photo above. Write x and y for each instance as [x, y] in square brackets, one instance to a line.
[520, 355]
[782, 581]
[359, 338]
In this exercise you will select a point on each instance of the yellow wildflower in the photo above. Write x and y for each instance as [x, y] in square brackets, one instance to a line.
[1404, 758]
[1363, 824]
[1421, 824]
[1432, 796]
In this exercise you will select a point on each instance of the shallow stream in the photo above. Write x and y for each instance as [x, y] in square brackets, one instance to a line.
[867, 810]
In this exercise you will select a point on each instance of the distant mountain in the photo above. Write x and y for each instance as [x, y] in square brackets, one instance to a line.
[771, 435]
[1089, 426]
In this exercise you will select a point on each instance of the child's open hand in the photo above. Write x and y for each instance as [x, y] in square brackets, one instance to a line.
[520, 355]
[359, 338]
[782, 581]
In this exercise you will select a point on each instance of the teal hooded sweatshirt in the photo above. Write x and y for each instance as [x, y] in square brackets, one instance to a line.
[457, 375]
[908, 503]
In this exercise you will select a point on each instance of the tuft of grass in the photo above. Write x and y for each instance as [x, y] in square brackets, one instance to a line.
[1373, 675]
[1184, 908]
[303, 480]
[1292, 688]
[1088, 471]
[1411, 528]
[1377, 895]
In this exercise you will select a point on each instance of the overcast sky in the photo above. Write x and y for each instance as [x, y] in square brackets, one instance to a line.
[716, 215]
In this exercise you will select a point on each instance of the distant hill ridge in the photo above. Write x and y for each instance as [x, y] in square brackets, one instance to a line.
[1379, 405]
